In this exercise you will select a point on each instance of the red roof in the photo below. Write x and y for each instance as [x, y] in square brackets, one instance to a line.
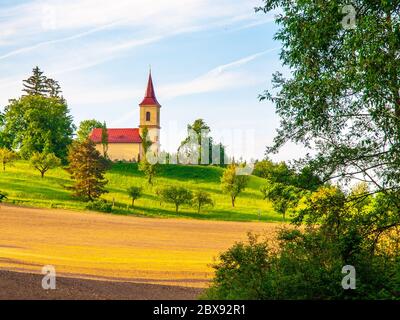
[150, 96]
[117, 135]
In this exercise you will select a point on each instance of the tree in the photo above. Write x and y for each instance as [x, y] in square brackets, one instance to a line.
[39, 84]
[54, 88]
[275, 172]
[192, 144]
[134, 193]
[177, 196]
[342, 98]
[87, 168]
[283, 197]
[38, 123]
[7, 157]
[232, 183]
[43, 162]
[104, 139]
[149, 170]
[201, 199]
[36, 84]
[86, 127]
[146, 142]
[307, 261]
[305, 178]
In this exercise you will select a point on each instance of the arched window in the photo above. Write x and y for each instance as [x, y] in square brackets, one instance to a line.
[147, 116]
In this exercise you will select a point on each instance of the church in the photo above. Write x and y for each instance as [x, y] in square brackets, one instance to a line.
[125, 144]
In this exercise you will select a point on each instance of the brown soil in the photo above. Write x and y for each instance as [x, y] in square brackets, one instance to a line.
[24, 286]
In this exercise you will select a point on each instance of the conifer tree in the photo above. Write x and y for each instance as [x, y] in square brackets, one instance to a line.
[87, 168]
[36, 84]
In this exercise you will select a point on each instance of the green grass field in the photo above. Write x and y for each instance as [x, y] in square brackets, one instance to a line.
[24, 186]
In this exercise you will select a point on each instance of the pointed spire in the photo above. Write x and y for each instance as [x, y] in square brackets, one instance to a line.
[150, 96]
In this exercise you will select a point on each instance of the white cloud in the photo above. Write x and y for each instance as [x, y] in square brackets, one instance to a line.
[222, 77]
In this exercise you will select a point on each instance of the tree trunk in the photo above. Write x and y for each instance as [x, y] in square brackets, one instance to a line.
[176, 208]
[198, 211]
[233, 202]
[42, 173]
[133, 203]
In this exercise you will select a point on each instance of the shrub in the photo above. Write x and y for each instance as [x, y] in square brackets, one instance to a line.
[100, 205]
[306, 266]
[331, 232]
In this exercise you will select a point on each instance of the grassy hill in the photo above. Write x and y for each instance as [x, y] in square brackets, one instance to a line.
[24, 186]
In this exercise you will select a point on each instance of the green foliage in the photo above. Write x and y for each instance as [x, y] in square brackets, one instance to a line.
[99, 205]
[24, 186]
[232, 183]
[176, 195]
[38, 123]
[104, 139]
[7, 157]
[87, 168]
[146, 142]
[134, 193]
[39, 84]
[43, 162]
[149, 170]
[281, 173]
[199, 147]
[343, 98]
[307, 262]
[86, 127]
[201, 199]
[284, 197]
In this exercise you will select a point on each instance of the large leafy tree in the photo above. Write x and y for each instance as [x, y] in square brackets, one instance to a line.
[87, 168]
[86, 127]
[342, 96]
[39, 121]
[36, 123]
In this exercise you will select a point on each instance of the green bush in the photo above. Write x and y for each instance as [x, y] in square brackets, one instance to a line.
[331, 232]
[99, 205]
[306, 266]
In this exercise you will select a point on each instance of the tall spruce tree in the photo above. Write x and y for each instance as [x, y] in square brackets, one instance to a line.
[87, 168]
[39, 84]
[36, 84]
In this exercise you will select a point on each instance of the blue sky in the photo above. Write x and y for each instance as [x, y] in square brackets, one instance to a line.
[210, 59]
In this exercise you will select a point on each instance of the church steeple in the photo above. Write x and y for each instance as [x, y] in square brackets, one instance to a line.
[150, 115]
[150, 96]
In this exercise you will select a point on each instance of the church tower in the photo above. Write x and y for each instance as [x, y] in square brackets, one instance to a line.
[150, 115]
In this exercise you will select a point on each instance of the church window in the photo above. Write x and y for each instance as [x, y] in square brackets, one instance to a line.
[148, 116]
